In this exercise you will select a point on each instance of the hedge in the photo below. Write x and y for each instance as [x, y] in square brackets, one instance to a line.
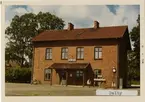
[18, 75]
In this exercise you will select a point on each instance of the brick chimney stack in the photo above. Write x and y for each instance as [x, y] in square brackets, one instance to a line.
[96, 24]
[70, 26]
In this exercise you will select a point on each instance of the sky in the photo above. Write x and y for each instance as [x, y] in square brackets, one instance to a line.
[82, 16]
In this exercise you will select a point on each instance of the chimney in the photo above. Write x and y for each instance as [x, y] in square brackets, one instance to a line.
[70, 26]
[96, 24]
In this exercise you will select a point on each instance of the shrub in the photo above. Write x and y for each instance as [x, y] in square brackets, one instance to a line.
[18, 75]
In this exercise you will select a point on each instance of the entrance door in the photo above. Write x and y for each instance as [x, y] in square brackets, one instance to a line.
[79, 77]
[63, 77]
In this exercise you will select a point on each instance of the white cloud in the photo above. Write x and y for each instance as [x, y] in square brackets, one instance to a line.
[83, 16]
[126, 15]
[20, 11]
[7, 23]
[49, 8]
[76, 12]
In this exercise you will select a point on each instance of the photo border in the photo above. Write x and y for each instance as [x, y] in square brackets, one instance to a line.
[76, 98]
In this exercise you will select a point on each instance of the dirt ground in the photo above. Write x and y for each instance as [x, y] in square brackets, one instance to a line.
[18, 89]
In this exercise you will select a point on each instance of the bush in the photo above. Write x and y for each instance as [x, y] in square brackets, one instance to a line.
[18, 75]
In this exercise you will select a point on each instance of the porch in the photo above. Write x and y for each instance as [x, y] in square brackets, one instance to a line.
[69, 73]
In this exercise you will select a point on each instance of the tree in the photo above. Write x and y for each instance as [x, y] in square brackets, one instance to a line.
[21, 31]
[134, 55]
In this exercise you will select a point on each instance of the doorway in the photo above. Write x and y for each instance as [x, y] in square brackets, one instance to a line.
[62, 77]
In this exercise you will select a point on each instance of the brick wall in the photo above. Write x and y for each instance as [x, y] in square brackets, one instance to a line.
[109, 59]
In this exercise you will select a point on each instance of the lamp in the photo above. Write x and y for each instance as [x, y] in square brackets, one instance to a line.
[114, 70]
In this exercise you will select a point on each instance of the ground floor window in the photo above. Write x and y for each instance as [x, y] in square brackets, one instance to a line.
[79, 73]
[47, 73]
[97, 73]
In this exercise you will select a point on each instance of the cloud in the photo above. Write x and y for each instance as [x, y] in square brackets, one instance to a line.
[11, 11]
[20, 11]
[7, 23]
[83, 15]
[49, 8]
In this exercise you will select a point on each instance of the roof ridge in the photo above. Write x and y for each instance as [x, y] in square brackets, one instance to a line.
[86, 28]
[101, 27]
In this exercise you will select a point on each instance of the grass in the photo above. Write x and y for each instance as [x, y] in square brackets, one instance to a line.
[21, 89]
[134, 82]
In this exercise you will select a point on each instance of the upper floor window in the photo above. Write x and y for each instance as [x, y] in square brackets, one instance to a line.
[80, 53]
[98, 53]
[64, 53]
[47, 73]
[48, 54]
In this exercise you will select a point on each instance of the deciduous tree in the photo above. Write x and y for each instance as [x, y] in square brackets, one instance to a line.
[134, 55]
[21, 31]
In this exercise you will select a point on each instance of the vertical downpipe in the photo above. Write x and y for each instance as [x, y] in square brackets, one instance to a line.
[32, 65]
[117, 74]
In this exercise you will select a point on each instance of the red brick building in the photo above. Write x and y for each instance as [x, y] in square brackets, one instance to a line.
[72, 56]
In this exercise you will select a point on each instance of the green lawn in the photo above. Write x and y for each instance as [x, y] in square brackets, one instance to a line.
[17, 89]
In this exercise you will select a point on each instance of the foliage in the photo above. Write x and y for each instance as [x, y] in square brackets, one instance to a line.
[18, 75]
[21, 31]
[134, 82]
[134, 55]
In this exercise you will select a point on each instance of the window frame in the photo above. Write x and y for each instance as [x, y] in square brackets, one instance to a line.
[79, 74]
[49, 52]
[46, 79]
[65, 52]
[77, 52]
[98, 51]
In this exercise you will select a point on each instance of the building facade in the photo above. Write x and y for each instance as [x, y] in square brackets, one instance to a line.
[74, 56]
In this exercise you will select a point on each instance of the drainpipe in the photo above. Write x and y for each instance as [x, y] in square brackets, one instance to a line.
[32, 64]
[118, 67]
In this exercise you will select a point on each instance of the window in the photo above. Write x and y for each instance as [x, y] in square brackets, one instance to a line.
[80, 53]
[79, 73]
[97, 72]
[64, 53]
[48, 53]
[47, 74]
[98, 53]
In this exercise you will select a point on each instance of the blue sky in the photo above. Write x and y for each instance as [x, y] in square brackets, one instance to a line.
[83, 15]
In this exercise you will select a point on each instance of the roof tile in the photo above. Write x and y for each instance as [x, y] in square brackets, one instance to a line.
[84, 33]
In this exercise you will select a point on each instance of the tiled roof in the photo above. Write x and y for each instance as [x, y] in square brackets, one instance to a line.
[84, 33]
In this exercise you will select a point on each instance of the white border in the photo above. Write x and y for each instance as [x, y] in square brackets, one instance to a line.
[67, 98]
[0, 52]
